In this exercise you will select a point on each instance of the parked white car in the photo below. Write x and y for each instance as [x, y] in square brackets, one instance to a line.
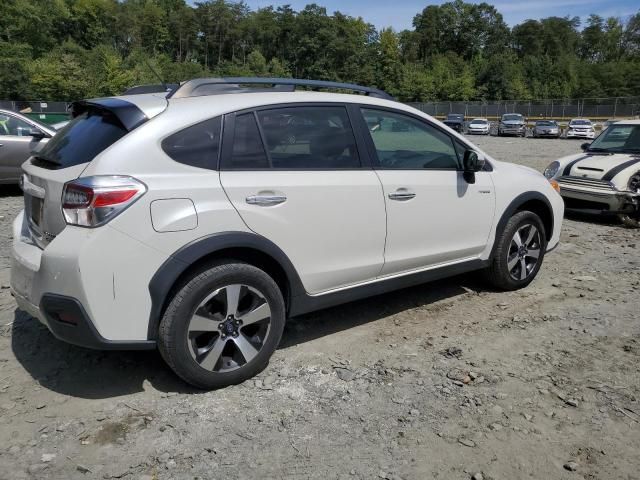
[199, 221]
[606, 177]
[479, 126]
[580, 128]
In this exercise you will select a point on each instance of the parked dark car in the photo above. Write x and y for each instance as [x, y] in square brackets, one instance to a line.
[455, 121]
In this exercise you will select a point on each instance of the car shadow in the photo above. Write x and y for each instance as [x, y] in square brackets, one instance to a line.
[10, 191]
[91, 374]
[594, 218]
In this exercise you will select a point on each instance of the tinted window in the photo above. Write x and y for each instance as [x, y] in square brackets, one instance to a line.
[10, 125]
[82, 139]
[309, 137]
[404, 142]
[248, 151]
[197, 145]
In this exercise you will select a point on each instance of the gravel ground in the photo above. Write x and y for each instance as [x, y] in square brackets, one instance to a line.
[443, 381]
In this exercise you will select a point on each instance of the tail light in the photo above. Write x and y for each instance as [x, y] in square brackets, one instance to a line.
[93, 201]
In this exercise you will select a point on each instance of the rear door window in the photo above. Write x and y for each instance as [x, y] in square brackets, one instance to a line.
[309, 137]
[82, 139]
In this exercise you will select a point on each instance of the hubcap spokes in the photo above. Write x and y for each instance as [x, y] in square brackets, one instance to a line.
[229, 328]
[524, 252]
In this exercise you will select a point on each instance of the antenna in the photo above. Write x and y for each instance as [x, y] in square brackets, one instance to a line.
[157, 75]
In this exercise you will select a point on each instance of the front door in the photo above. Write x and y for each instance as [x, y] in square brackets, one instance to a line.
[434, 216]
[295, 175]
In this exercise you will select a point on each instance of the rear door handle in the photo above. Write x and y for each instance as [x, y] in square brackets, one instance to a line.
[402, 194]
[266, 200]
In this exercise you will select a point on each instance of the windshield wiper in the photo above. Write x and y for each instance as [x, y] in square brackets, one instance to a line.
[598, 149]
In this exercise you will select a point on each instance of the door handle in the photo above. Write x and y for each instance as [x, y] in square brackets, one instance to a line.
[402, 194]
[266, 200]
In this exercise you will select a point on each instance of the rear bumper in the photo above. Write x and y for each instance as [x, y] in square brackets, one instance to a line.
[87, 275]
[69, 322]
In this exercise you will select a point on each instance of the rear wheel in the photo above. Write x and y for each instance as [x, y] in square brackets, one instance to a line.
[632, 220]
[519, 252]
[222, 326]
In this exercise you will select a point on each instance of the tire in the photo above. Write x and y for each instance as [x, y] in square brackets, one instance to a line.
[218, 347]
[630, 221]
[498, 273]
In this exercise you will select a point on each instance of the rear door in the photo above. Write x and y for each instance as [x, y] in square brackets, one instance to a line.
[299, 176]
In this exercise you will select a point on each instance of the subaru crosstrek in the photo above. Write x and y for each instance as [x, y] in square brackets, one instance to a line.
[198, 221]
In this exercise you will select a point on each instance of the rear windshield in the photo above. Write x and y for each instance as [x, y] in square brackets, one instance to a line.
[480, 122]
[82, 139]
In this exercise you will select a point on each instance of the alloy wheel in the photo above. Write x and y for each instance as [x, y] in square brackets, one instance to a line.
[524, 252]
[228, 328]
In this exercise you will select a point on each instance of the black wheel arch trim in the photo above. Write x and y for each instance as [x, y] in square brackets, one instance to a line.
[513, 207]
[170, 271]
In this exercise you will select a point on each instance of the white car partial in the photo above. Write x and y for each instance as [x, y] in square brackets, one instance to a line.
[580, 128]
[605, 178]
[479, 126]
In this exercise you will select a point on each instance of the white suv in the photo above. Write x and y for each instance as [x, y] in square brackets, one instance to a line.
[200, 220]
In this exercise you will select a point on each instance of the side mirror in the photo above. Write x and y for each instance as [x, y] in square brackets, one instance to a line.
[585, 146]
[37, 134]
[470, 165]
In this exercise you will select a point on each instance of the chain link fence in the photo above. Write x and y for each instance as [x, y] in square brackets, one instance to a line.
[596, 109]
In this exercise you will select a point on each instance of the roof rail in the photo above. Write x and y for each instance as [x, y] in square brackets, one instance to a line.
[157, 88]
[217, 86]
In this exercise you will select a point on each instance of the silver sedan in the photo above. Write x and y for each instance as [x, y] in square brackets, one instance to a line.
[19, 136]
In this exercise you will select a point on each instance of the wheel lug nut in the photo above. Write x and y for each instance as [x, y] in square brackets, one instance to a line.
[220, 326]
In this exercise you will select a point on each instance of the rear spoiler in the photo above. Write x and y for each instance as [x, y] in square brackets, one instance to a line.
[129, 114]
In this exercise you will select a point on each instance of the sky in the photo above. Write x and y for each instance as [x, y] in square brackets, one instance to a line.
[399, 13]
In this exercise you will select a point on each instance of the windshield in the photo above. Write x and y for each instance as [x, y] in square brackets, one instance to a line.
[82, 139]
[580, 122]
[545, 123]
[618, 138]
[478, 122]
[510, 118]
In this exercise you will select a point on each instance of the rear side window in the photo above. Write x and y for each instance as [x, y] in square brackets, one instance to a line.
[197, 145]
[82, 139]
[309, 138]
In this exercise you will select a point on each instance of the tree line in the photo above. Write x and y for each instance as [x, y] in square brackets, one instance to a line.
[70, 49]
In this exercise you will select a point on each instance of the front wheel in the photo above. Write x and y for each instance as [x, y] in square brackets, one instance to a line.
[222, 326]
[519, 252]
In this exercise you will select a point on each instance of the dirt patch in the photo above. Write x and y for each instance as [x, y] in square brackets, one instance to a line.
[444, 381]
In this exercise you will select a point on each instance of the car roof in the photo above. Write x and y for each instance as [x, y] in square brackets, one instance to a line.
[626, 122]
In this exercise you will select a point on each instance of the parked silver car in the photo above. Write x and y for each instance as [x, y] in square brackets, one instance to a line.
[19, 136]
[546, 128]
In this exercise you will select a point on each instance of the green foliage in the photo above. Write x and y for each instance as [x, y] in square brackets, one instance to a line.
[70, 49]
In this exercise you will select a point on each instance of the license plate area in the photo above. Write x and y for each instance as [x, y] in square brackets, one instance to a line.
[34, 207]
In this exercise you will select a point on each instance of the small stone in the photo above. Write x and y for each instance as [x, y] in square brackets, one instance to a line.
[457, 383]
[466, 380]
[345, 374]
[83, 469]
[466, 442]
[171, 464]
[473, 375]
[47, 457]
[527, 417]
[571, 466]
[497, 410]
[36, 468]
[477, 476]
[571, 402]
[496, 427]
[414, 412]
[268, 381]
